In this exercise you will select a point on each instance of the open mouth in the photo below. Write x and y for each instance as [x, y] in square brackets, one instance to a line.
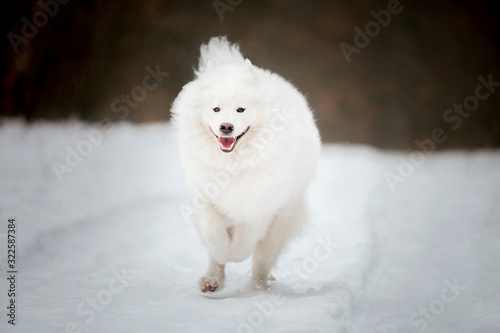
[227, 143]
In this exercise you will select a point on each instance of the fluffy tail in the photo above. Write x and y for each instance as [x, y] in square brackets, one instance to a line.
[217, 51]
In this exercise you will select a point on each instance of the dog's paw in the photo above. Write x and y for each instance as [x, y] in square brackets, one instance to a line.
[210, 283]
[263, 283]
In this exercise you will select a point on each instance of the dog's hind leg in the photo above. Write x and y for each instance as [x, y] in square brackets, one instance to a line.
[287, 224]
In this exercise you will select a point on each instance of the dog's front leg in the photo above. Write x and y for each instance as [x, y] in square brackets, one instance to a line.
[214, 278]
[214, 236]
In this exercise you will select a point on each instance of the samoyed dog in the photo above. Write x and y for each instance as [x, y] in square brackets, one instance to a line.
[249, 147]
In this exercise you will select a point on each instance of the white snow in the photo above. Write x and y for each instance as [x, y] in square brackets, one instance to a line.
[110, 248]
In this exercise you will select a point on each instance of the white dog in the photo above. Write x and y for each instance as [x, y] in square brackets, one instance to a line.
[249, 147]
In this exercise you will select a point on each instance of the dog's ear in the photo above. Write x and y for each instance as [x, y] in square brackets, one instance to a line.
[249, 66]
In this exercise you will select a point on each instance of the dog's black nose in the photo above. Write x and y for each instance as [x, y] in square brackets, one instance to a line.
[226, 128]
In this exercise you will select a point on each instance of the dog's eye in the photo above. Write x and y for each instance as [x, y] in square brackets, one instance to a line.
[240, 110]
[216, 109]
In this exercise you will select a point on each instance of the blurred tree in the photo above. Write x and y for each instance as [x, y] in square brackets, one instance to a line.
[395, 90]
[46, 61]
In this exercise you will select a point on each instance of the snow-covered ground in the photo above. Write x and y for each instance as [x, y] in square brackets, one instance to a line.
[104, 242]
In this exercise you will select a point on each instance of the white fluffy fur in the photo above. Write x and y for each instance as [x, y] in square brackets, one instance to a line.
[250, 200]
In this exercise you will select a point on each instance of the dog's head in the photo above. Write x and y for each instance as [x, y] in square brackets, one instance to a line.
[223, 109]
[229, 103]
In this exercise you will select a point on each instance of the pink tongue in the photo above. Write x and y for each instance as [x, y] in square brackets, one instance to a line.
[227, 142]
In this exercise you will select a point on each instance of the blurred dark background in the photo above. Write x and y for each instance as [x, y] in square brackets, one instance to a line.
[86, 54]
